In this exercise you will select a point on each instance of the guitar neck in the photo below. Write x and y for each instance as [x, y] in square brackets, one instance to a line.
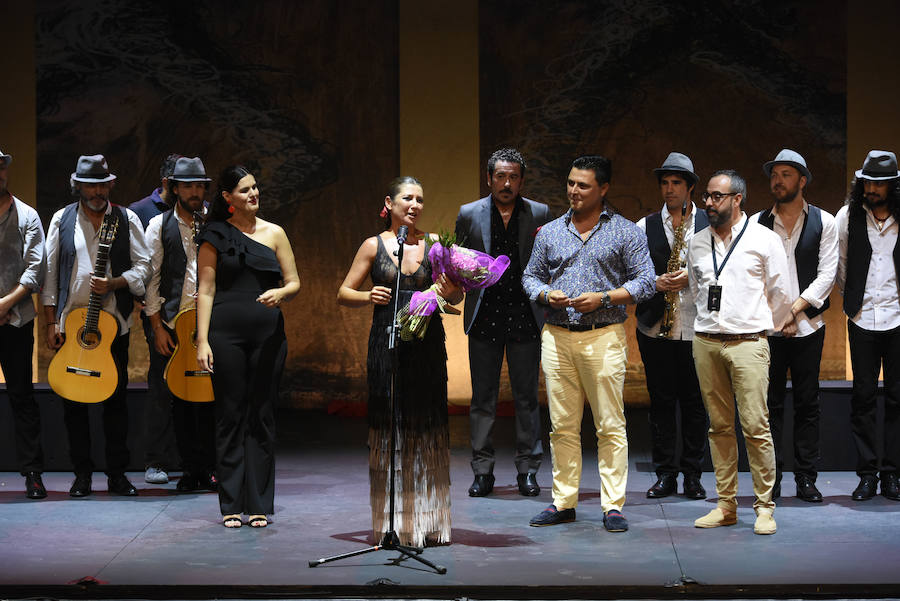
[96, 301]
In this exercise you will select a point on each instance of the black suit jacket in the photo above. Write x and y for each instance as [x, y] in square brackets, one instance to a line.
[473, 230]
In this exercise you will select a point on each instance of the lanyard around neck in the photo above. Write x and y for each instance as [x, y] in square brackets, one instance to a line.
[712, 244]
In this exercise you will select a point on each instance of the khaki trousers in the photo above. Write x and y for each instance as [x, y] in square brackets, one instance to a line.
[737, 371]
[591, 364]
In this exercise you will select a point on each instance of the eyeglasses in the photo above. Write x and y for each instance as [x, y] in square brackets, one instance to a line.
[717, 196]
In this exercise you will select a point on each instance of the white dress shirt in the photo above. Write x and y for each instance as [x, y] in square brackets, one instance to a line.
[755, 295]
[87, 243]
[153, 301]
[819, 289]
[880, 304]
[683, 326]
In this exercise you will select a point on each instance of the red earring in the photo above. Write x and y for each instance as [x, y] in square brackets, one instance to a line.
[230, 209]
[384, 212]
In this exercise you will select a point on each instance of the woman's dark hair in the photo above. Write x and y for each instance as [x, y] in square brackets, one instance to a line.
[228, 181]
[394, 190]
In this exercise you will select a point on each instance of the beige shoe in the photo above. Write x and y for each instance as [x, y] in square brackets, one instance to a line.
[765, 524]
[715, 518]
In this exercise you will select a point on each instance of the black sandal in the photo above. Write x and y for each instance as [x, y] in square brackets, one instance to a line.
[232, 521]
[257, 521]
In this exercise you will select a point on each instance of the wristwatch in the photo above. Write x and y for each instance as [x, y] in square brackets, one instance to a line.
[606, 302]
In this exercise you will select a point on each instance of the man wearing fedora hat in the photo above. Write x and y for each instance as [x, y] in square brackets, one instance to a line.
[666, 347]
[159, 438]
[868, 274]
[809, 237]
[171, 289]
[72, 247]
[21, 275]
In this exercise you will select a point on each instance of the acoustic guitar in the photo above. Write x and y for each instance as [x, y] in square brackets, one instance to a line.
[183, 374]
[83, 370]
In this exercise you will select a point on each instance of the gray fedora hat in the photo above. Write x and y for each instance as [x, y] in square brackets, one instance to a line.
[879, 165]
[6, 159]
[678, 163]
[792, 158]
[189, 170]
[92, 169]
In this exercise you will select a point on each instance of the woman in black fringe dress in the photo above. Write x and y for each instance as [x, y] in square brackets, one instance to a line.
[423, 442]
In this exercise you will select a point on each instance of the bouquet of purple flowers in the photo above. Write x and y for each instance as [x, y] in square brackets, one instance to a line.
[467, 268]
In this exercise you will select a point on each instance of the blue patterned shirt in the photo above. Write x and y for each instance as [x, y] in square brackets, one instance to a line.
[614, 255]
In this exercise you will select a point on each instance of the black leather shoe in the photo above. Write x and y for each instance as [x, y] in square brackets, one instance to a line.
[528, 486]
[188, 483]
[119, 485]
[482, 486]
[868, 486]
[665, 485]
[552, 516]
[693, 489]
[34, 486]
[890, 486]
[807, 491]
[81, 487]
[776, 491]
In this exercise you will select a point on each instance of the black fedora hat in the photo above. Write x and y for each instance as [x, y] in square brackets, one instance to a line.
[92, 169]
[879, 165]
[189, 170]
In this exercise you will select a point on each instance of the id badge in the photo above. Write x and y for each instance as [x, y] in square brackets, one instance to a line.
[714, 302]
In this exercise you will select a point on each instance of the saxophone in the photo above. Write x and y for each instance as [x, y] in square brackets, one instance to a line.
[675, 263]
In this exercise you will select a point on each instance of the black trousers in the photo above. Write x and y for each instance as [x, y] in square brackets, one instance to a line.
[869, 352]
[159, 440]
[16, 347]
[115, 422]
[802, 356]
[194, 424]
[523, 361]
[672, 386]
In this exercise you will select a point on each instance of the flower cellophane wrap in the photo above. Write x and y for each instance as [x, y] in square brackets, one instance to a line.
[469, 269]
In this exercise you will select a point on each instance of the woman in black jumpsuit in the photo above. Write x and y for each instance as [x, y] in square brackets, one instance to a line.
[246, 270]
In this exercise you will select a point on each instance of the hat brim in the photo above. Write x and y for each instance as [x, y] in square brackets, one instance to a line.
[804, 171]
[92, 180]
[690, 174]
[187, 179]
[874, 178]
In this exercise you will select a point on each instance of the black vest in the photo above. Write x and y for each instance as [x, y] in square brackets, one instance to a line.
[174, 264]
[859, 257]
[806, 255]
[651, 311]
[119, 257]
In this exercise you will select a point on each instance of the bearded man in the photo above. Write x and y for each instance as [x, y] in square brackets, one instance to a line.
[738, 278]
[867, 276]
[809, 238]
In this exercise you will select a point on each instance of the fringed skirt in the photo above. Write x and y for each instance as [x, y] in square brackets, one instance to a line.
[422, 455]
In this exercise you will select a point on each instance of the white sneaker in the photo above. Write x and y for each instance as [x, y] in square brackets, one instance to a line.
[765, 523]
[154, 475]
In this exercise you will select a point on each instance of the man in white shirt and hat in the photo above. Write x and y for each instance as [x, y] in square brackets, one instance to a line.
[868, 277]
[809, 237]
[72, 246]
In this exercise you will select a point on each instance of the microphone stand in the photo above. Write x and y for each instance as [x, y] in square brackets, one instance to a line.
[390, 541]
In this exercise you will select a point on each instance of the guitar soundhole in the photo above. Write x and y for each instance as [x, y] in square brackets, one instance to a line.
[89, 339]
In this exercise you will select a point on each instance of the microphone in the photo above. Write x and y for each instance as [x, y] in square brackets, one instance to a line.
[402, 233]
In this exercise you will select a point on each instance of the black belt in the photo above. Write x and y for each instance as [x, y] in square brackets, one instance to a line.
[582, 327]
[731, 337]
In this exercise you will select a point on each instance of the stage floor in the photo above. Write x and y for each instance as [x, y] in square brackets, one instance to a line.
[166, 545]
